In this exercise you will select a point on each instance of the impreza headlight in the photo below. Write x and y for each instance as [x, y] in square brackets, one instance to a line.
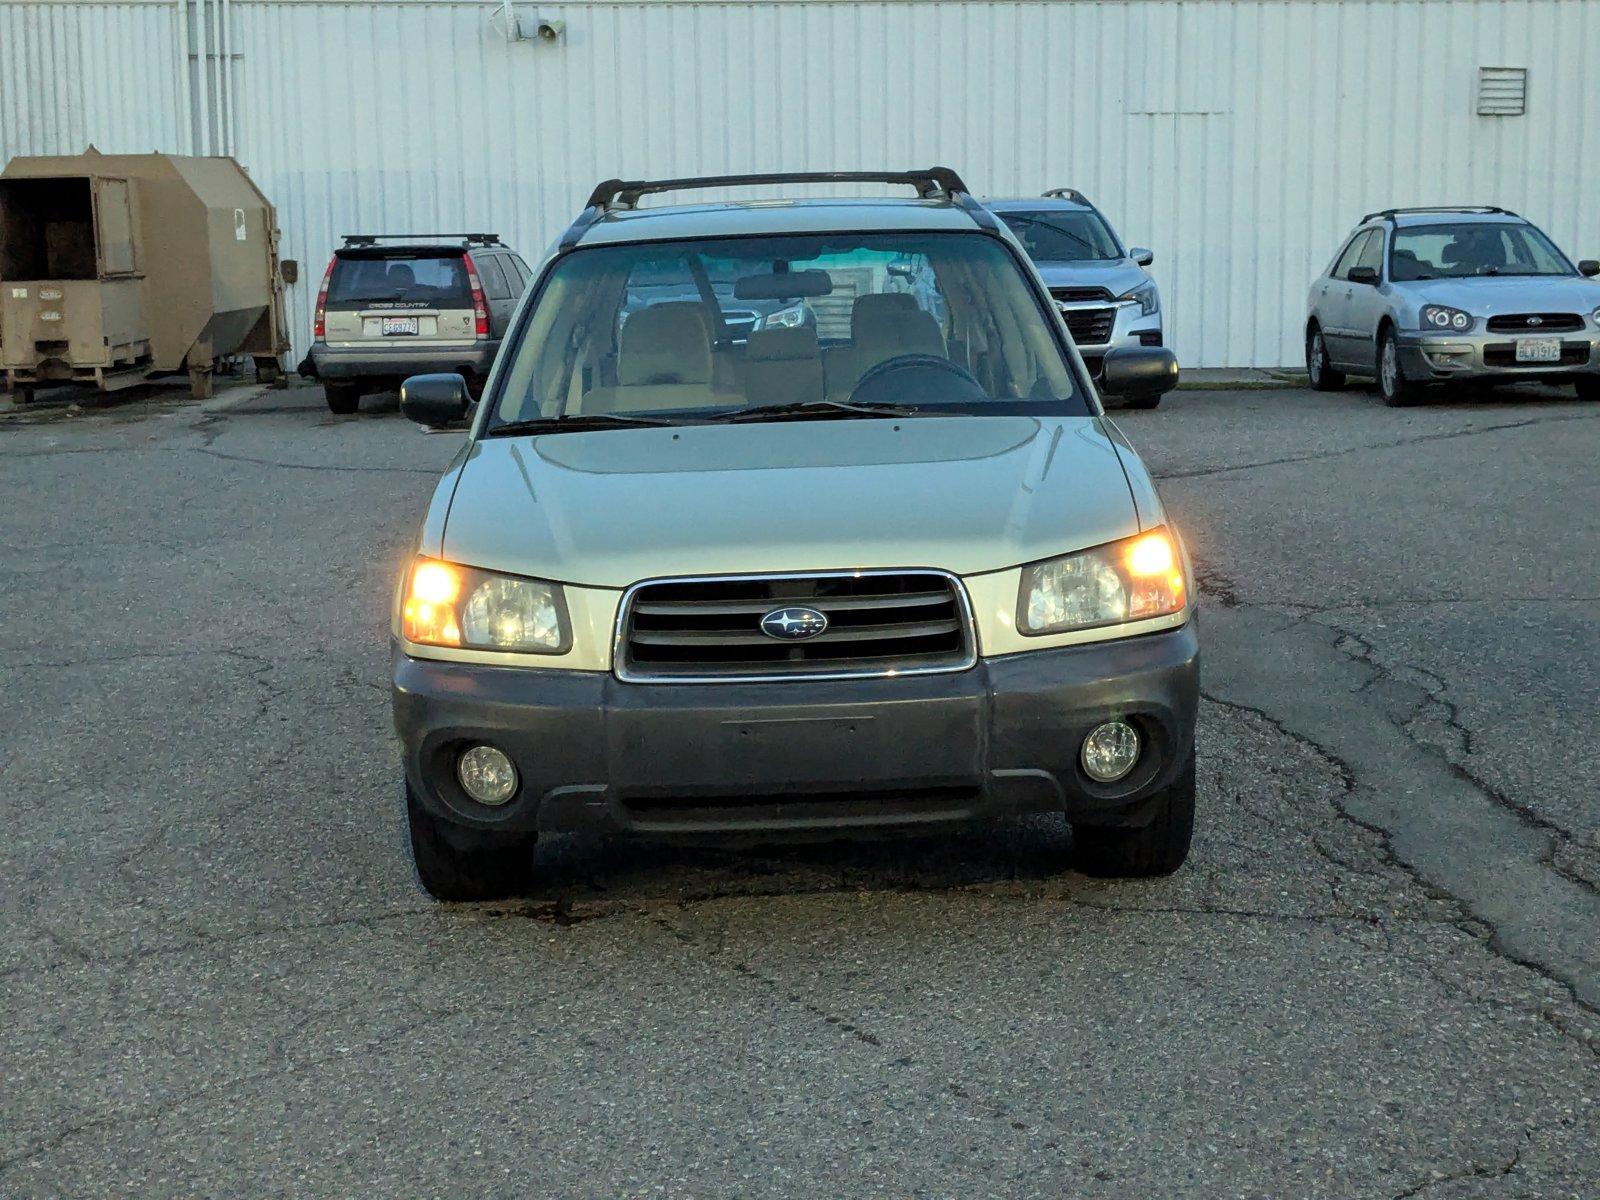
[785, 318]
[1446, 319]
[1145, 296]
[450, 605]
[1130, 580]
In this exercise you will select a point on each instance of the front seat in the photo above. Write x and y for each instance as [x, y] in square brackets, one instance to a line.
[783, 366]
[883, 325]
[664, 361]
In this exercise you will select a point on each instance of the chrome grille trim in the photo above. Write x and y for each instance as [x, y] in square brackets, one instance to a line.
[963, 624]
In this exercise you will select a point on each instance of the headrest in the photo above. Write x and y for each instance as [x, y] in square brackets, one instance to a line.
[665, 343]
[909, 331]
[875, 304]
[770, 345]
[399, 275]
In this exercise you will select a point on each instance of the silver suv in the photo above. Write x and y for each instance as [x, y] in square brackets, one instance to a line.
[890, 567]
[390, 307]
[1437, 295]
[1100, 286]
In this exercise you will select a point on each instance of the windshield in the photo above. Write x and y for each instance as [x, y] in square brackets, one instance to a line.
[1464, 248]
[1063, 235]
[714, 330]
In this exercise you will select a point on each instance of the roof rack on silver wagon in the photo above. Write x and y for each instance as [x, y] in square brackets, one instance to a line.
[622, 194]
[1066, 193]
[1390, 213]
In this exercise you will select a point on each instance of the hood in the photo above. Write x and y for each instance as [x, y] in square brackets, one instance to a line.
[1485, 295]
[612, 507]
[1116, 276]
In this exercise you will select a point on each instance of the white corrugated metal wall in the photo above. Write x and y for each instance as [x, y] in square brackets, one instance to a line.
[1238, 138]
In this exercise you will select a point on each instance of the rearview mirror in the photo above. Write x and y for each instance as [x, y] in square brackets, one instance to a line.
[902, 268]
[791, 285]
[434, 400]
[1367, 275]
[1141, 256]
[1589, 267]
[1139, 371]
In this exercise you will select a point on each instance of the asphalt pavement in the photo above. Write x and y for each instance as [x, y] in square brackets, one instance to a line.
[1377, 976]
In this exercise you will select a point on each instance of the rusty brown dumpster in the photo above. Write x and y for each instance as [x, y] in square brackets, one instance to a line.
[116, 267]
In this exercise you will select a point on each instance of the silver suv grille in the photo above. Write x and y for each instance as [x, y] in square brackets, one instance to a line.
[878, 623]
[1090, 326]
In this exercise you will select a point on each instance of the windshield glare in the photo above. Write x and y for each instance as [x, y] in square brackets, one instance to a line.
[714, 329]
[1063, 235]
[1459, 249]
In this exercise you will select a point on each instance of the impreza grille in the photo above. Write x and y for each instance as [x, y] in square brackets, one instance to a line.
[1090, 326]
[1504, 354]
[877, 624]
[1535, 323]
[1077, 295]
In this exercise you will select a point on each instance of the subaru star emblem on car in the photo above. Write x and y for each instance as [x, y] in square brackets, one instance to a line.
[793, 624]
[1535, 320]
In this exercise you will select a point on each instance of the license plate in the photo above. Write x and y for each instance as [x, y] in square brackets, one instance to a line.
[399, 325]
[1538, 349]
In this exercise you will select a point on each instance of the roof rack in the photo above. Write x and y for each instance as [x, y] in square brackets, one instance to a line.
[1390, 213]
[1072, 194]
[471, 239]
[930, 183]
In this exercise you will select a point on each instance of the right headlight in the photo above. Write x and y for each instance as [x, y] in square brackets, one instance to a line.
[1131, 580]
[450, 605]
[1144, 295]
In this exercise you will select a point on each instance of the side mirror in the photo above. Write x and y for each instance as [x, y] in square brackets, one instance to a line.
[1139, 371]
[1366, 275]
[434, 400]
[289, 271]
[1141, 256]
[1589, 267]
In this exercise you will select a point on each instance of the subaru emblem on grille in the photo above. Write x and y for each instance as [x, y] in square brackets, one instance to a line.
[1535, 320]
[793, 624]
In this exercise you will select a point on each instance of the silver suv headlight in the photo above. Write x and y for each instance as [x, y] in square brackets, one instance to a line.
[450, 605]
[785, 318]
[1144, 295]
[1445, 318]
[1130, 580]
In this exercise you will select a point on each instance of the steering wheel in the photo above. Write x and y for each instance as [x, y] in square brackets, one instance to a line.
[907, 378]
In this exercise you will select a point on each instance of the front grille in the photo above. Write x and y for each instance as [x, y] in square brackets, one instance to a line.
[1077, 295]
[1504, 354]
[1090, 326]
[740, 323]
[1535, 323]
[879, 623]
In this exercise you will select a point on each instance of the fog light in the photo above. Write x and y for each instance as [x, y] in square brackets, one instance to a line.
[1110, 751]
[486, 775]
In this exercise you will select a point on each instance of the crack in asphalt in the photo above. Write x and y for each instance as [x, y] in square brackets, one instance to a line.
[1497, 1171]
[1345, 451]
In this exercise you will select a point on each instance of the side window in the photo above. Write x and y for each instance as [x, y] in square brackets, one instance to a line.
[523, 274]
[1372, 252]
[494, 279]
[1352, 254]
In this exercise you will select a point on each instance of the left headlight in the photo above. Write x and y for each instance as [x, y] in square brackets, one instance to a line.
[1131, 580]
[1441, 316]
[785, 318]
[1145, 296]
[450, 605]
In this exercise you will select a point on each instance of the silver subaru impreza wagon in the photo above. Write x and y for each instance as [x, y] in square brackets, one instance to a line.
[884, 567]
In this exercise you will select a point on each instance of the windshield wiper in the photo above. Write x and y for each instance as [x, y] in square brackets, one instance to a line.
[821, 408]
[576, 423]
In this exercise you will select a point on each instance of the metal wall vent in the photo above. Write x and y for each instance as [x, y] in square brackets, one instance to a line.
[1502, 91]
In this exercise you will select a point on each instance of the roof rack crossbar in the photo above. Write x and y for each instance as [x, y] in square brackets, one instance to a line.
[369, 239]
[1387, 213]
[930, 183]
[1065, 193]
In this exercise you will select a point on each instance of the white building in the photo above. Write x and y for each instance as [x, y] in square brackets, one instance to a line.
[1238, 138]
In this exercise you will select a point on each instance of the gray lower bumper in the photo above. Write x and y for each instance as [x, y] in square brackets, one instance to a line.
[597, 754]
[1438, 359]
[397, 362]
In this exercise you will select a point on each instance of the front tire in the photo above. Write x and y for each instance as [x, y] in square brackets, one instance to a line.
[456, 863]
[343, 398]
[1396, 389]
[1142, 401]
[1158, 848]
[1324, 376]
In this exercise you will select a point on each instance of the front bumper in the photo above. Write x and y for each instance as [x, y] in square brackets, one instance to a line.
[1439, 357]
[399, 361]
[599, 755]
